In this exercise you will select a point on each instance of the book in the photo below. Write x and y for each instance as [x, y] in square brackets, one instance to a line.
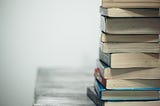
[133, 1]
[98, 76]
[93, 96]
[127, 73]
[121, 38]
[130, 5]
[124, 95]
[138, 84]
[137, 25]
[130, 60]
[130, 12]
[130, 47]
[127, 84]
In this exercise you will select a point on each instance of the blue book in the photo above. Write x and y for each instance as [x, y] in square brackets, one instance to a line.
[125, 94]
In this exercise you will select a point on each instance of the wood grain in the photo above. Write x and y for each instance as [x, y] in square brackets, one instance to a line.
[62, 87]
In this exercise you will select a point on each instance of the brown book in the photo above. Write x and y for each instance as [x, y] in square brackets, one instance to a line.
[130, 47]
[130, 25]
[108, 38]
[133, 1]
[127, 73]
[130, 5]
[130, 60]
[130, 12]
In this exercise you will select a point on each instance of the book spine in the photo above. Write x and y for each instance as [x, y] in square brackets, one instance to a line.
[103, 11]
[100, 66]
[105, 58]
[99, 77]
[103, 24]
[97, 90]
[92, 95]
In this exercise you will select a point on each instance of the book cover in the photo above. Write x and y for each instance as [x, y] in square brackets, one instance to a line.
[130, 47]
[124, 94]
[130, 12]
[133, 1]
[130, 60]
[129, 38]
[127, 73]
[130, 5]
[119, 25]
[93, 96]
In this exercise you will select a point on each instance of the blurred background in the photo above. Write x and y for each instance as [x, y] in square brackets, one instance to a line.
[44, 33]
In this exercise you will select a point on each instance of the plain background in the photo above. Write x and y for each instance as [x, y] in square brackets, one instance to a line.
[44, 33]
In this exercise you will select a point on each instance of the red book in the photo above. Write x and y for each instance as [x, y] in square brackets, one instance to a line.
[99, 77]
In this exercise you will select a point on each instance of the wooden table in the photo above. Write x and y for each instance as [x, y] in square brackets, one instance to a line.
[63, 87]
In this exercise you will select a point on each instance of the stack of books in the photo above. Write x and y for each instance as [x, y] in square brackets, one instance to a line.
[128, 68]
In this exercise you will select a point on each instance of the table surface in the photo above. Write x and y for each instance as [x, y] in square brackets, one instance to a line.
[63, 87]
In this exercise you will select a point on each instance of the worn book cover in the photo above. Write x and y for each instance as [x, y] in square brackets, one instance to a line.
[93, 96]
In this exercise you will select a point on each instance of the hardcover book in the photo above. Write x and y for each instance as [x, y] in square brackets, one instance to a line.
[130, 25]
[127, 73]
[93, 96]
[125, 95]
[137, 84]
[127, 84]
[130, 12]
[130, 38]
[106, 4]
[130, 60]
[133, 1]
[130, 47]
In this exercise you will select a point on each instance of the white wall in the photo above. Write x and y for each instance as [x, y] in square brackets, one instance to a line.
[43, 33]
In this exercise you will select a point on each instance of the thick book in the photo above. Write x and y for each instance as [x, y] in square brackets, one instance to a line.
[137, 25]
[130, 60]
[125, 95]
[130, 5]
[133, 1]
[137, 84]
[127, 84]
[127, 73]
[130, 47]
[130, 12]
[93, 96]
[121, 38]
